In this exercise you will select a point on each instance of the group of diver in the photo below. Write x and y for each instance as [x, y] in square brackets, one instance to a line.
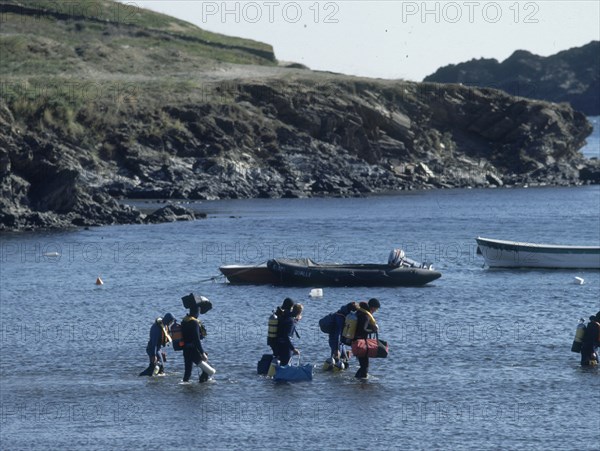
[186, 337]
[348, 326]
[352, 322]
[587, 340]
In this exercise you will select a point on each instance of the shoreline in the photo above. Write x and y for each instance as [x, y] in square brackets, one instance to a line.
[185, 204]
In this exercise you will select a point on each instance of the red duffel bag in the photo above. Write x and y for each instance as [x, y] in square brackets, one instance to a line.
[370, 347]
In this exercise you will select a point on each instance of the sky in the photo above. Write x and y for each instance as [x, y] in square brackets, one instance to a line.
[394, 39]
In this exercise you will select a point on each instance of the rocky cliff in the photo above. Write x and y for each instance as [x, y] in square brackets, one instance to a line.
[571, 76]
[148, 112]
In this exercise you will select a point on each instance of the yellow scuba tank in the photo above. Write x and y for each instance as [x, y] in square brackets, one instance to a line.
[329, 364]
[349, 329]
[166, 338]
[579, 334]
[369, 315]
[272, 330]
[273, 367]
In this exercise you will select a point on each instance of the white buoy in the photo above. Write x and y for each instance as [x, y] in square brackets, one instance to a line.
[579, 280]
[316, 293]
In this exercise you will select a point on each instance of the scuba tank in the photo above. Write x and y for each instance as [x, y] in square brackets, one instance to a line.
[349, 329]
[177, 337]
[329, 364]
[340, 365]
[579, 333]
[166, 338]
[372, 321]
[207, 368]
[273, 367]
[272, 330]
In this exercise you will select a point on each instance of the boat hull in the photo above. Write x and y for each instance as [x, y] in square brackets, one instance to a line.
[248, 275]
[511, 254]
[304, 272]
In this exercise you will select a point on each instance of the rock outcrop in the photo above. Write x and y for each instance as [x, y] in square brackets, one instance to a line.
[207, 126]
[571, 76]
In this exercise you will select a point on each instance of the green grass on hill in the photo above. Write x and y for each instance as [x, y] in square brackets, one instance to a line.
[77, 67]
[57, 38]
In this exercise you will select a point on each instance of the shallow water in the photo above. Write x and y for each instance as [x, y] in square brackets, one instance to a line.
[479, 359]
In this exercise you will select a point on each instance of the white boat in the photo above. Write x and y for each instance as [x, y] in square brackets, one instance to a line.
[513, 254]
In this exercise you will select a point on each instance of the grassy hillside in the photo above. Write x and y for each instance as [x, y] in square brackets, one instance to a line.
[57, 37]
[76, 67]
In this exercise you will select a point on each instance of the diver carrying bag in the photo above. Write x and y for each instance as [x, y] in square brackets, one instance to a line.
[370, 347]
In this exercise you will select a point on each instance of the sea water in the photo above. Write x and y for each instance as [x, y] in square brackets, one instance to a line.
[479, 359]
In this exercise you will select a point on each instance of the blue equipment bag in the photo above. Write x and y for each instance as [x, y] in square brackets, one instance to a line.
[294, 373]
[262, 367]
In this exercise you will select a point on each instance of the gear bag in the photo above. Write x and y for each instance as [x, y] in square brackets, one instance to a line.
[204, 305]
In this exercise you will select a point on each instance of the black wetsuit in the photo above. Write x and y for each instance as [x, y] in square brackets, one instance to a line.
[590, 342]
[285, 330]
[362, 332]
[192, 351]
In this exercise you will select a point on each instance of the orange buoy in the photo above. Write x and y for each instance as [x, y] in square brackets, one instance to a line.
[99, 281]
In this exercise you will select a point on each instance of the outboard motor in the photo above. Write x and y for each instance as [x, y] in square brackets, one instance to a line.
[396, 258]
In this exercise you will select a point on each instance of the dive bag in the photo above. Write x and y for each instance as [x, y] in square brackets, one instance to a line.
[294, 373]
[370, 347]
[204, 305]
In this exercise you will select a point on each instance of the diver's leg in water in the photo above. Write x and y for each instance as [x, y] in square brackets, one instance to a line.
[362, 372]
[187, 358]
[203, 377]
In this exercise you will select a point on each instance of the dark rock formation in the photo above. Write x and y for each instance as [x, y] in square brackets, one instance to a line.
[571, 76]
[170, 213]
[187, 114]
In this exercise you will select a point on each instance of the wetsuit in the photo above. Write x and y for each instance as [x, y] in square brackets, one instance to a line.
[284, 347]
[192, 350]
[362, 332]
[156, 342]
[338, 327]
[590, 342]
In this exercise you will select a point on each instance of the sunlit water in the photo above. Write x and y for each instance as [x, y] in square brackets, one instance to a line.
[479, 359]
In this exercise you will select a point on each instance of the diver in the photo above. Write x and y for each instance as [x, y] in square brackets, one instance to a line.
[591, 341]
[338, 350]
[280, 312]
[284, 348]
[363, 329]
[159, 337]
[193, 332]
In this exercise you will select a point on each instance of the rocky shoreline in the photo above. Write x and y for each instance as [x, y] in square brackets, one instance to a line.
[108, 108]
[292, 137]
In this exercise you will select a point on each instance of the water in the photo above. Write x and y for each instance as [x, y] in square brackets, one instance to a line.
[479, 359]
